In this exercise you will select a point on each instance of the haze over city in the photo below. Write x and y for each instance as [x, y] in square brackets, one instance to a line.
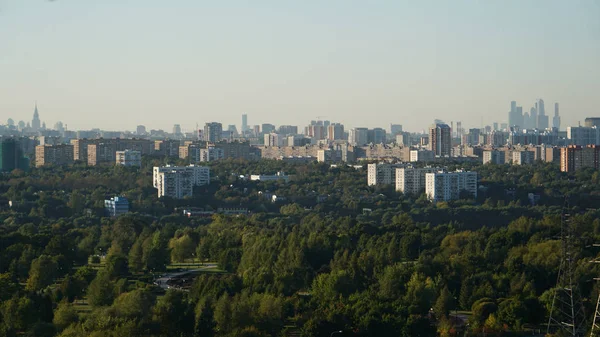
[116, 64]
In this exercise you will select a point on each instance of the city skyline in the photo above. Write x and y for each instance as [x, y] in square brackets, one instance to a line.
[244, 125]
[365, 65]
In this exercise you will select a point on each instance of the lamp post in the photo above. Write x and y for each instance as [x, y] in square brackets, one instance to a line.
[333, 333]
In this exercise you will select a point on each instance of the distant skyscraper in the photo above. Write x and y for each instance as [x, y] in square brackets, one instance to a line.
[267, 128]
[515, 115]
[177, 129]
[244, 123]
[35, 123]
[440, 140]
[556, 119]
[533, 117]
[141, 130]
[543, 121]
[395, 129]
[231, 128]
[212, 132]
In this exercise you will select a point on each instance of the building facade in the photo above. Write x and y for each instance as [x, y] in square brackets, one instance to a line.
[412, 180]
[116, 206]
[178, 181]
[53, 155]
[382, 173]
[440, 140]
[574, 157]
[129, 158]
[446, 186]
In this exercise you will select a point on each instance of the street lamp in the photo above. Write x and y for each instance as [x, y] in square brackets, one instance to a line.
[333, 333]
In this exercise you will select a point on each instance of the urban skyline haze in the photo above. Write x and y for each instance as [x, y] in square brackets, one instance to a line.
[117, 64]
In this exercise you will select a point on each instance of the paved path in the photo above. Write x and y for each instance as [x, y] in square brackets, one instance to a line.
[164, 279]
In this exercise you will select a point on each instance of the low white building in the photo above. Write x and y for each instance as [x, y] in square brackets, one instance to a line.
[446, 186]
[264, 177]
[129, 158]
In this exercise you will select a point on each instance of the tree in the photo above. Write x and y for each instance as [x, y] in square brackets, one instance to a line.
[181, 248]
[444, 303]
[101, 290]
[116, 265]
[64, 315]
[42, 273]
[173, 313]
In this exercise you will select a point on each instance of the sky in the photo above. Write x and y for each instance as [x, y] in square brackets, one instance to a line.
[114, 64]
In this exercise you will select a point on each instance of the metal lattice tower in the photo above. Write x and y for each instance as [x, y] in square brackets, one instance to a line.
[567, 317]
[596, 320]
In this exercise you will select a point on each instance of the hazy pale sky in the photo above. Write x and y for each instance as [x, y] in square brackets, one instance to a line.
[114, 64]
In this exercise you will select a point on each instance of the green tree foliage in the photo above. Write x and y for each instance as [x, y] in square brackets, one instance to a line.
[101, 291]
[42, 273]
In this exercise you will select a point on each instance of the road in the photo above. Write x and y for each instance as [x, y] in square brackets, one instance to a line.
[164, 279]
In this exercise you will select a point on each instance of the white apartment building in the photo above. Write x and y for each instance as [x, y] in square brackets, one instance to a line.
[445, 186]
[176, 184]
[494, 157]
[412, 180]
[382, 173]
[178, 181]
[274, 139]
[129, 158]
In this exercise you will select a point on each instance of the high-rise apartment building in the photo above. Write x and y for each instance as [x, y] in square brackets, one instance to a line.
[316, 130]
[376, 136]
[575, 157]
[592, 121]
[102, 153]
[273, 139]
[358, 136]
[582, 135]
[382, 174]
[446, 186]
[213, 132]
[211, 153]
[494, 157]
[53, 155]
[440, 140]
[140, 130]
[11, 156]
[335, 131]
[178, 181]
[288, 130]
[523, 157]
[411, 180]
[129, 158]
